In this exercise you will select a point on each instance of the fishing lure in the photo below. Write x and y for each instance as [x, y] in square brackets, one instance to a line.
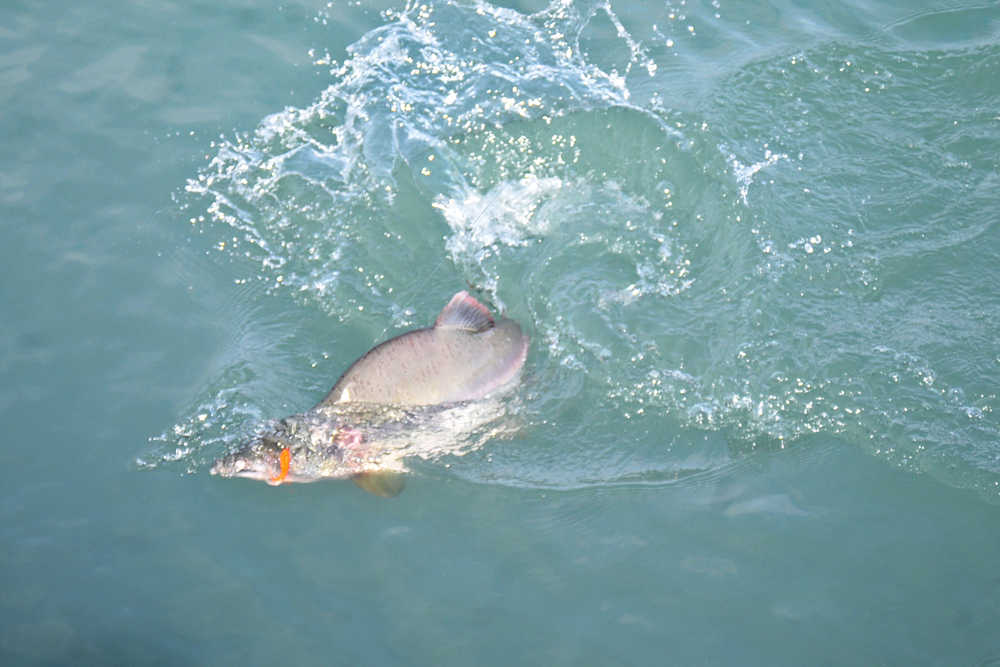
[285, 459]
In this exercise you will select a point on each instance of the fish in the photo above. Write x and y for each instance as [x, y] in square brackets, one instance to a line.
[427, 392]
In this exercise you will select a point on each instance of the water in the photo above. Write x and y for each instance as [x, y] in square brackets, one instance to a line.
[756, 248]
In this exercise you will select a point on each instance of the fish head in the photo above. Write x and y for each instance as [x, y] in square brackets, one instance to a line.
[293, 450]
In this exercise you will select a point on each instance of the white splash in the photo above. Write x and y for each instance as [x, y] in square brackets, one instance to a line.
[745, 173]
[507, 215]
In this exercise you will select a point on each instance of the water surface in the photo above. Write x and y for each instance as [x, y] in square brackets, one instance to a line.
[756, 248]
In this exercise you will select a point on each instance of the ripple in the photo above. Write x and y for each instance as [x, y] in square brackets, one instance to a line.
[701, 283]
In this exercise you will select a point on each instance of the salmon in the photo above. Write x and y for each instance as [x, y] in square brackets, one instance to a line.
[424, 393]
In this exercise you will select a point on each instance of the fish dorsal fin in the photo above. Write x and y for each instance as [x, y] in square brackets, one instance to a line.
[464, 312]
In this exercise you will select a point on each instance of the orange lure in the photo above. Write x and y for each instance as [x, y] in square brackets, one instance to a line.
[285, 458]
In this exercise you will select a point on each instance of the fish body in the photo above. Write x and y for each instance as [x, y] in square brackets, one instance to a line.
[424, 393]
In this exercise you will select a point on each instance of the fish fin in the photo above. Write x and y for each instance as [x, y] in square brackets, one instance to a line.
[464, 312]
[383, 483]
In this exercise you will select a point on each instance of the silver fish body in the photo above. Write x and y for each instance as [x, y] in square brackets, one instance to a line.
[424, 393]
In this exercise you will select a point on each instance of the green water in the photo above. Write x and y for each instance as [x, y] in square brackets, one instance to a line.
[756, 247]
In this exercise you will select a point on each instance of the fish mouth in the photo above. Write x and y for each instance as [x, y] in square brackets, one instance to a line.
[262, 475]
[236, 465]
[225, 467]
[259, 459]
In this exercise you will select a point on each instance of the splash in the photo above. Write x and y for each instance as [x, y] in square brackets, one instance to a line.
[508, 215]
[312, 189]
[745, 173]
[543, 158]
